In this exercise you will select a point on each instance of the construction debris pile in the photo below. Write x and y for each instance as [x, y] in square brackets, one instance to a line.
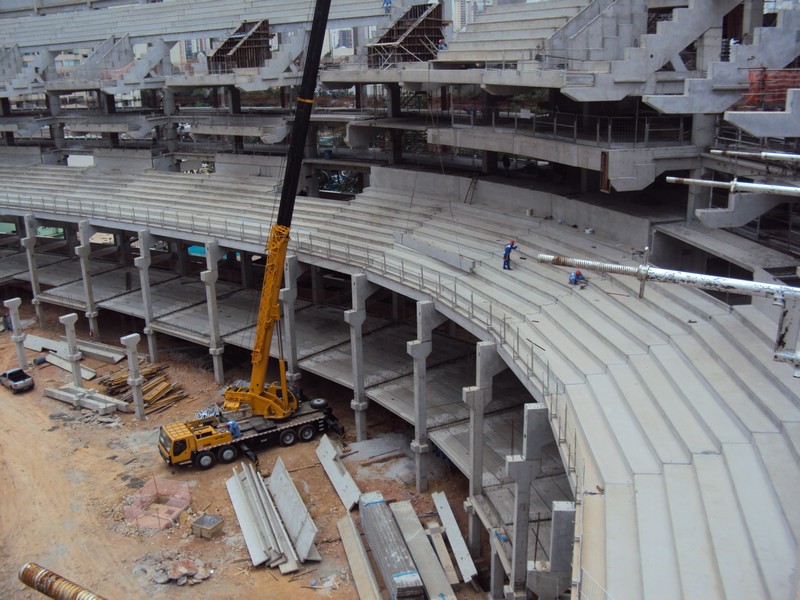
[158, 393]
[170, 566]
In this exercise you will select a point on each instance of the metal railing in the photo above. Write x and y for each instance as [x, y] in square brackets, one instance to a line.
[579, 129]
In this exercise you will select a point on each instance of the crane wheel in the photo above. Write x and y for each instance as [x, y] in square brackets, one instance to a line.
[227, 454]
[204, 460]
[288, 437]
[306, 433]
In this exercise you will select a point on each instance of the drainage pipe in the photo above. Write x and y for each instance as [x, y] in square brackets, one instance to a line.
[739, 186]
[53, 585]
[784, 156]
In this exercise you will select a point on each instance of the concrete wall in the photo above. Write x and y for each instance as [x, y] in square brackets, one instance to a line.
[123, 161]
[20, 155]
[608, 224]
[265, 166]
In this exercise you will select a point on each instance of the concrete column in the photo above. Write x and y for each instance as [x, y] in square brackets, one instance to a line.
[361, 290]
[181, 257]
[703, 134]
[83, 251]
[17, 335]
[135, 380]
[562, 536]
[487, 364]
[496, 571]
[522, 468]
[29, 243]
[5, 111]
[489, 162]
[72, 238]
[427, 320]
[392, 100]
[209, 278]
[170, 109]
[752, 17]
[288, 297]
[56, 130]
[142, 263]
[317, 286]
[74, 355]
[123, 240]
[395, 146]
[709, 47]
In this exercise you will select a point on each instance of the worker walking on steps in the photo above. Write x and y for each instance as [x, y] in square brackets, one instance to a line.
[507, 254]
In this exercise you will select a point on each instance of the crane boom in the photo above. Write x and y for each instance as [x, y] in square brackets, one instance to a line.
[276, 401]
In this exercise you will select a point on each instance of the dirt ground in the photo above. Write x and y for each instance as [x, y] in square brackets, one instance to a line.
[66, 474]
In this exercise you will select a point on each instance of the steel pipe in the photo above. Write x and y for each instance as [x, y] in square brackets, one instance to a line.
[738, 186]
[783, 156]
[706, 282]
[53, 585]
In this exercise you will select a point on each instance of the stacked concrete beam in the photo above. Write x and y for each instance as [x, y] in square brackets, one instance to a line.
[389, 549]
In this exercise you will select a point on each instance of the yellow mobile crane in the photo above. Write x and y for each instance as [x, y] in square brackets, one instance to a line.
[258, 413]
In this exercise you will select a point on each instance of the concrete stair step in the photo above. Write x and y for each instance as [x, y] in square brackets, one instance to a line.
[783, 473]
[707, 409]
[622, 552]
[727, 389]
[760, 324]
[651, 411]
[631, 437]
[658, 558]
[588, 339]
[694, 546]
[727, 527]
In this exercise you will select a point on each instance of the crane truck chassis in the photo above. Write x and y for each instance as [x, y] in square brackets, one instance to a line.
[204, 442]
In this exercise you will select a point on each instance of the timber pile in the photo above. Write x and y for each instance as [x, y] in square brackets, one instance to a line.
[157, 391]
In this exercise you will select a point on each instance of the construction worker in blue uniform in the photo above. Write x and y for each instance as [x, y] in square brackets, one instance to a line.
[507, 254]
[576, 278]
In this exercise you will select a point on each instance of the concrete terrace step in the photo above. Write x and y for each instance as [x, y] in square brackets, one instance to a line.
[573, 327]
[605, 451]
[658, 559]
[747, 408]
[759, 323]
[784, 473]
[707, 408]
[766, 377]
[550, 337]
[631, 437]
[675, 407]
[694, 546]
[662, 436]
[725, 522]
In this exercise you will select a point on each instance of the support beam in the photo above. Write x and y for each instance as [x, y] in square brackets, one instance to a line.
[478, 397]
[209, 278]
[288, 297]
[135, 380]
[73, 354]
[83, 251]
[17, 335]
[142, 263]
[523, 468]
[427, 320]
[361, 290]
[29, 243]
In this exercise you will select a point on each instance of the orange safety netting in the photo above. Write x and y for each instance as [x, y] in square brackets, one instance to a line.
[768, 88]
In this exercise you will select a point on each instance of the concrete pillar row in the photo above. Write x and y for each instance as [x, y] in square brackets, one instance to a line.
[83, 251]
[209, 278]
[288, 298]
[143, 262]
[427, 320]
[29, 243]
[73, 354]
[523, 468]
[17, 335]
[488, 363]
[361, 290]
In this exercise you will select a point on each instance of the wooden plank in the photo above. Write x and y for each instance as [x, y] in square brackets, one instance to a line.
[435, 531]
[429, 567]
[340, 477]
[363, 575]
[457, 543]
